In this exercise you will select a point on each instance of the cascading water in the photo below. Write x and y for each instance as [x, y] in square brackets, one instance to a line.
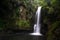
[37, 26]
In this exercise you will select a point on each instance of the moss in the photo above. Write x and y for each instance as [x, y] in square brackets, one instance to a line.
[23, 23]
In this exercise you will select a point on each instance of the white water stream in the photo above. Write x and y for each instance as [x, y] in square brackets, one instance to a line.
[37, 26]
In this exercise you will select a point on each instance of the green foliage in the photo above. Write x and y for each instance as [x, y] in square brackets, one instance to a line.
[8, 14]
[52, 29]
[54, 17]
[23, 24]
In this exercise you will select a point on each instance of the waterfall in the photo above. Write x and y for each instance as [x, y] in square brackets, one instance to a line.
[37, 26]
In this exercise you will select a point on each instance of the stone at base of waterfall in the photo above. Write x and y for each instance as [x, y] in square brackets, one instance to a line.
[36, 34]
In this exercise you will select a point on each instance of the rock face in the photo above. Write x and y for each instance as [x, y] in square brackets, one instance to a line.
[22, 12]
